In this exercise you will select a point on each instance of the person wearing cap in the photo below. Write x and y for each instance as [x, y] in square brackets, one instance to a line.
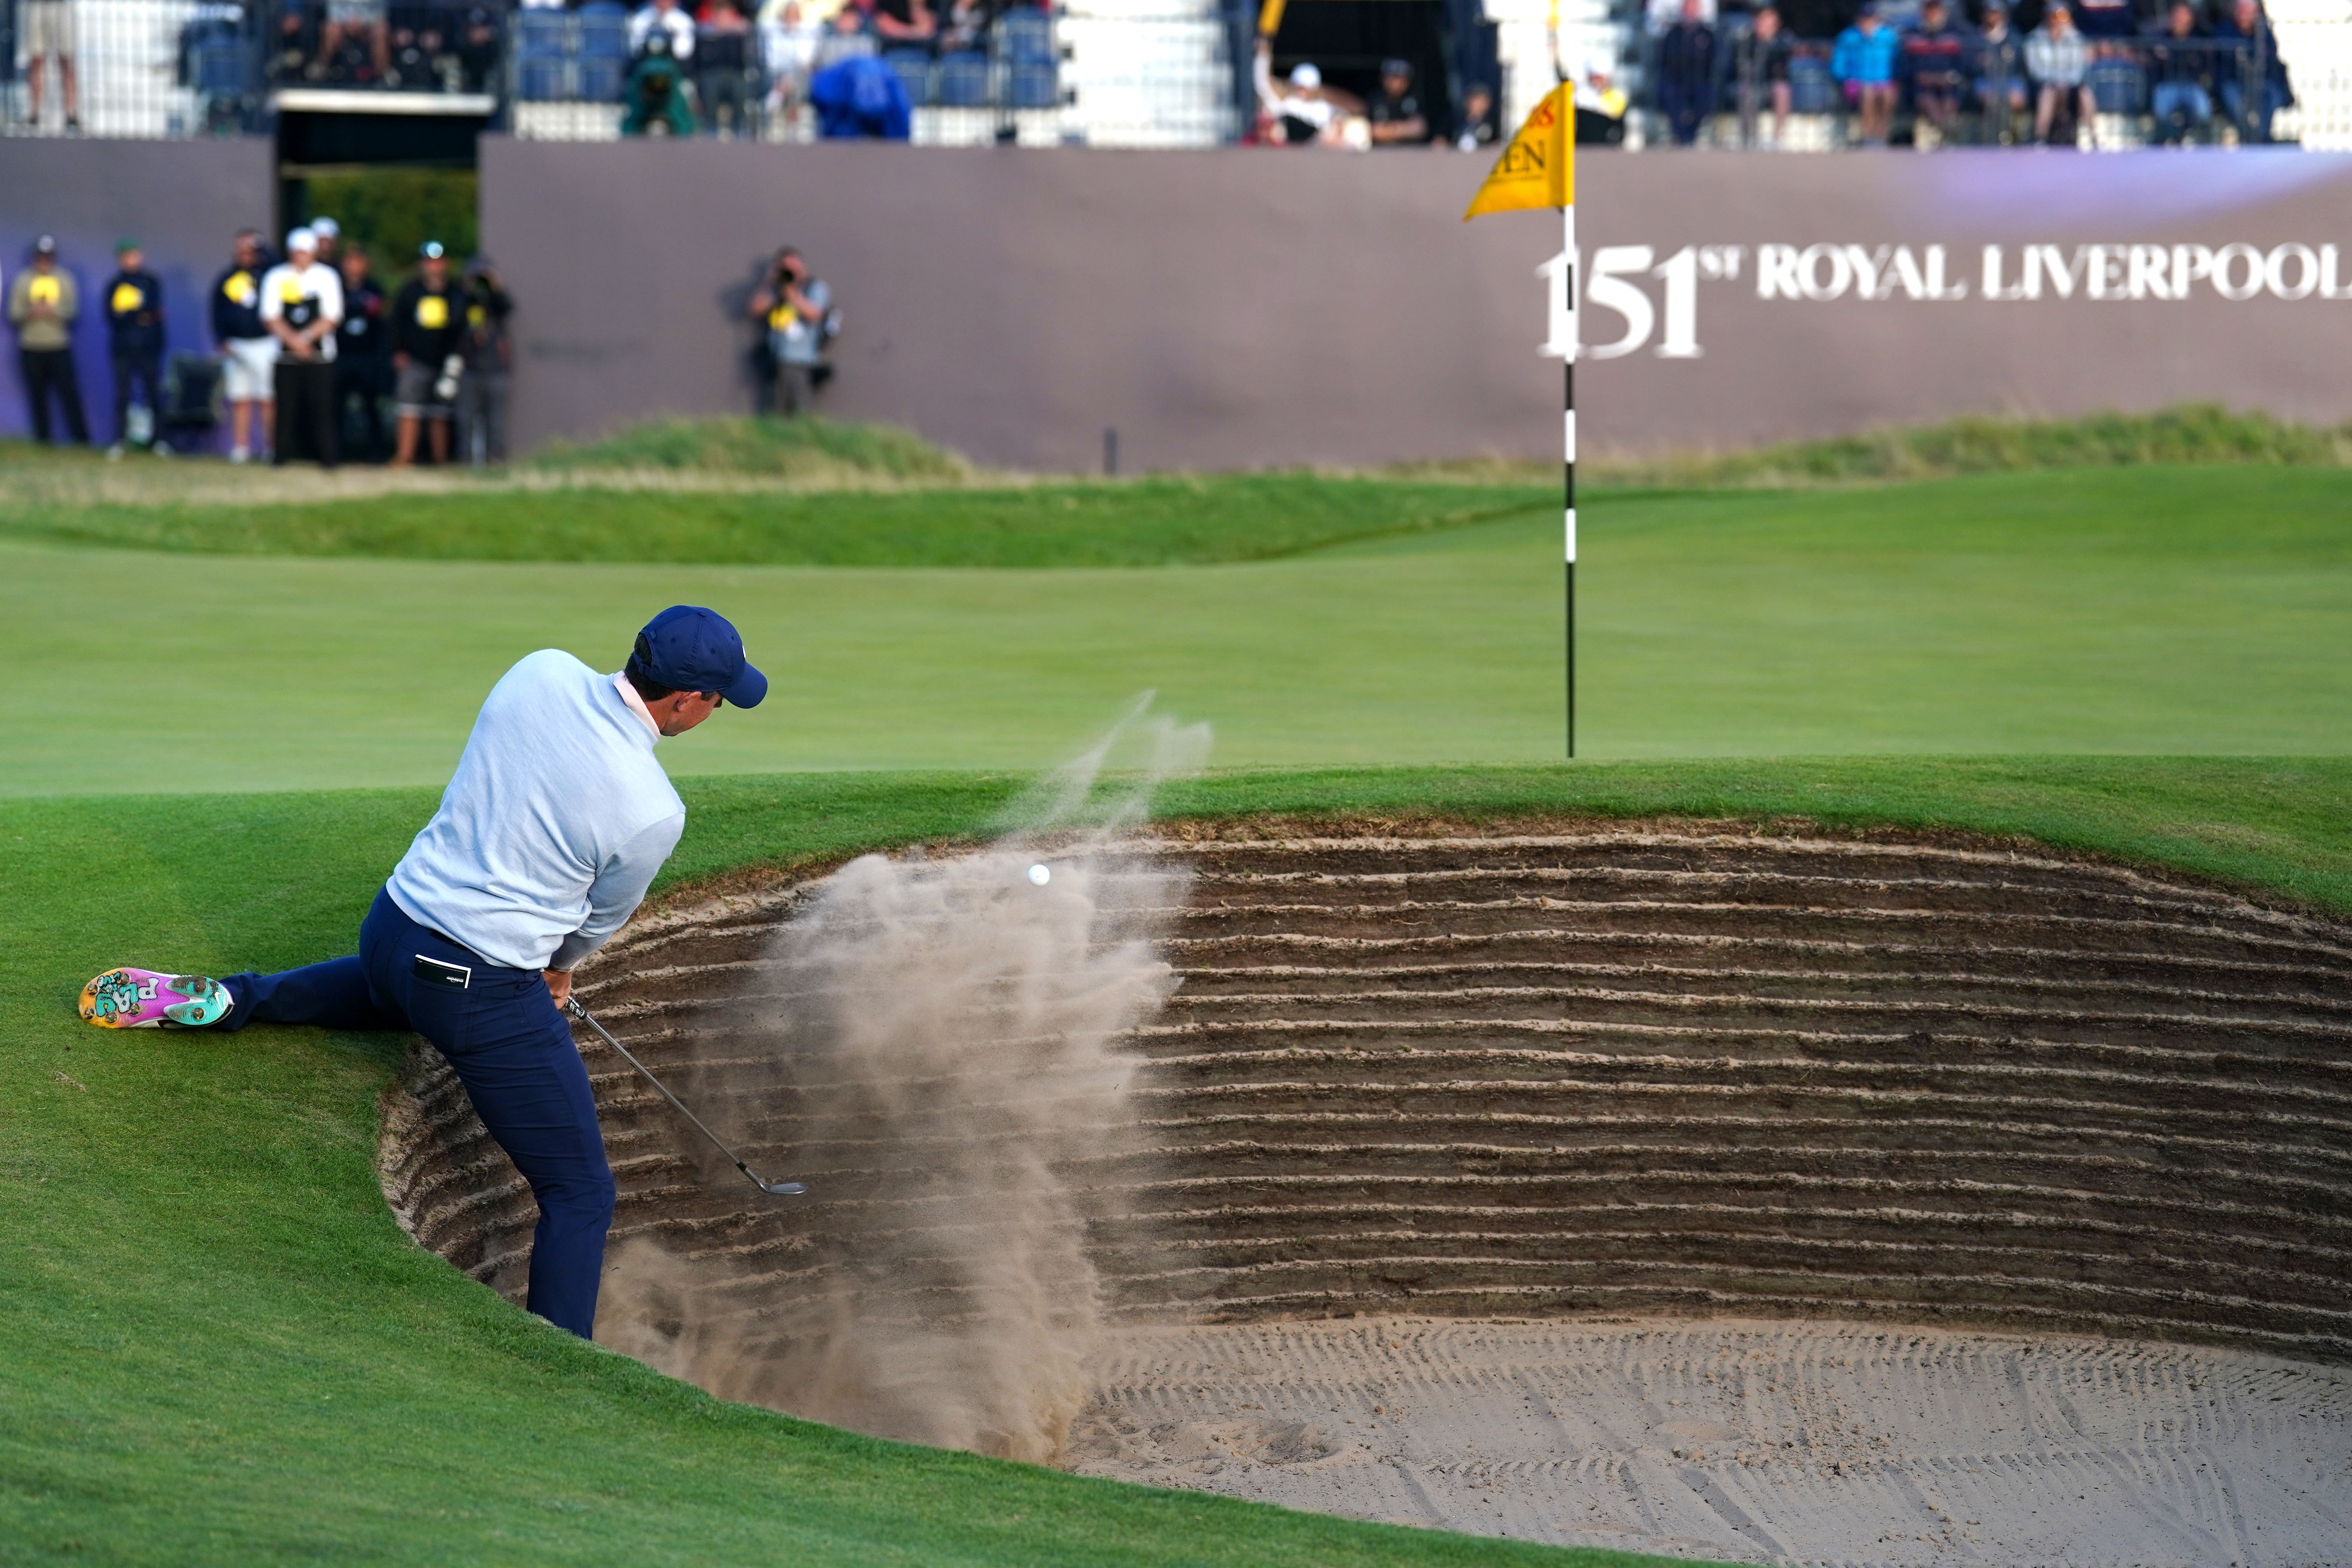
[490, 365]
[330, 236]
[428, 323]
[1863, 60]
[302, 304]
[249, 354]
[42, 304]
[545, 841]
[1395, 115]
[135, 347]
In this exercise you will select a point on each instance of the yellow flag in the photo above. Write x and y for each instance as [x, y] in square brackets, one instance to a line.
[1538, 168]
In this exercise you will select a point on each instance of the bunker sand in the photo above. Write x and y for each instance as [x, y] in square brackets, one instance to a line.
[1747, 1440]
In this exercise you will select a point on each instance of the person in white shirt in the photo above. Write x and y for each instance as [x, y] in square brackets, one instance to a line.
[667, 16]
[301, 305]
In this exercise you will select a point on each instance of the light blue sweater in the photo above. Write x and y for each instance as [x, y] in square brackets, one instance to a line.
[553, 826]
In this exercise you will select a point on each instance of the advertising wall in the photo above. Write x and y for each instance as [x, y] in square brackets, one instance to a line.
[1244, 307]
[180, 200]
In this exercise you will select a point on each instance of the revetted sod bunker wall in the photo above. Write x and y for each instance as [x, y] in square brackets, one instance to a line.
[1669, 1071]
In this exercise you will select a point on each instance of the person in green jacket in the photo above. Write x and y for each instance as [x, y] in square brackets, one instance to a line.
[42, 304]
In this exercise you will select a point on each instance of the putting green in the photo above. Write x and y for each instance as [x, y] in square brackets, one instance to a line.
[2149, 610]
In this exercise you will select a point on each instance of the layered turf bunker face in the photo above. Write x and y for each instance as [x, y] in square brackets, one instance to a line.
[1635, 1073]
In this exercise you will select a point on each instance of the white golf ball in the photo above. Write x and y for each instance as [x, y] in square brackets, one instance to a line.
[1039, 876]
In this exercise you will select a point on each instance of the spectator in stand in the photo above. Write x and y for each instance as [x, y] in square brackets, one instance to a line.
[861, 98]
[356, 46]
[1309, 112]
[795, 311]
[1601, 106]
[722, 62]
[963, 26]
[904, 22]
[1478, 130]
[294, 57]
[330, 235]
[1863, 63]
[846, 38]
[2001, 76]
[1935, 62]
[2180, 76]
[427, 322]
[1686, 73]
[48, 29]
[249, 351]
[2253, 84]
[490, 365]
[478, 51]
[2057, 58]
[362, 357]
[1760, 67]
[302, 304]
[42, 305]
[1395, 115]
[655, 94]
[673, 22]
[134, 348]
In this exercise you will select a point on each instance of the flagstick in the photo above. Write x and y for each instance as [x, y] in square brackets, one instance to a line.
[1567, 482]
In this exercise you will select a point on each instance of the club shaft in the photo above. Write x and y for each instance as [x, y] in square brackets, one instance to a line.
[647, 1073]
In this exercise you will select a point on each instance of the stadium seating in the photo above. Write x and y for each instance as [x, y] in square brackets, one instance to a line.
[913, 68]
[963, 81]
[1811, 88]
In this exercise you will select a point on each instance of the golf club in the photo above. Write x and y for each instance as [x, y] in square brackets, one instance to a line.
[780, 1189]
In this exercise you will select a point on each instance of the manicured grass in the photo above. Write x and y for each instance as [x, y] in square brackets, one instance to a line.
[2126, 610]
[1150, 523]
[222, 1349]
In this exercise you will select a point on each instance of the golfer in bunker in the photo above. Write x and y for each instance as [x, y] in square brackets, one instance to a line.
[546, 839]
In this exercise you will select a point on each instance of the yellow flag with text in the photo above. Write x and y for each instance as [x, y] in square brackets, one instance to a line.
[1538, 168]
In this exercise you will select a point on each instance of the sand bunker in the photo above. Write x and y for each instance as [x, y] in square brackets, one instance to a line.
[1645, 1072]
[1747, 1441]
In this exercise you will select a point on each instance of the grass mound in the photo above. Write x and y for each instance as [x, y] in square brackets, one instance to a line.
[787, 450]
[2191, 433]
[222, 1349]
[1149, 523]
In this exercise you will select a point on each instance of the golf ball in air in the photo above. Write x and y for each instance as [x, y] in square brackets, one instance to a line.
[1039, 876]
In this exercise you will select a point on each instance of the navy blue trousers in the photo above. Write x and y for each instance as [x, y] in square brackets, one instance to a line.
[509, 1047]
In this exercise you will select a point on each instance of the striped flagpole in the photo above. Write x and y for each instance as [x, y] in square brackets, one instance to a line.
[1568, 471]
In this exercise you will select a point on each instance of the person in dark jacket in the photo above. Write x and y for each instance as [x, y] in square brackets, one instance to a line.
[2254, 83]
[1760, 66]
[1934, 63]
[1686, 73]
[490, 365]
[428, 321]
[135, 347]
[248, 352]
[362, 356]
[2180, 76]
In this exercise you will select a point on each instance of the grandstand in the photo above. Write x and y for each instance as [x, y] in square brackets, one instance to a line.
[1097, 73]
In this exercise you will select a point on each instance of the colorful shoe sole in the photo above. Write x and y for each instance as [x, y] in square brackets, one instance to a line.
[144, 999]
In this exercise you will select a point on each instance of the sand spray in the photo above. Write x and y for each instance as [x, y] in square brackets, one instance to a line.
[933, 1044]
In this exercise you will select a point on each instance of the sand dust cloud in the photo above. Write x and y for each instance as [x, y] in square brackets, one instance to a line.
[930, 1044]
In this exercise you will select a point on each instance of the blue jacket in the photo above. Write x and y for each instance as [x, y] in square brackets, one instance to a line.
[1865, 58]
[861, 97]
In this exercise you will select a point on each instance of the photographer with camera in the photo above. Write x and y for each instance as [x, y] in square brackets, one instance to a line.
[428, 320]
[796, 318]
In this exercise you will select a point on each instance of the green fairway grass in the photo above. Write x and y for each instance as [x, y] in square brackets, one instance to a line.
[221, 1349]
[2153, 610]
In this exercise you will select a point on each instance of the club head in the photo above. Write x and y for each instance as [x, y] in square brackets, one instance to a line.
[784, 1189]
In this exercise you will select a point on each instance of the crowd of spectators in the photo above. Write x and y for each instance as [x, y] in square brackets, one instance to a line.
[1935, 73]
[1303, 109]
[452, 46]
[307, 351]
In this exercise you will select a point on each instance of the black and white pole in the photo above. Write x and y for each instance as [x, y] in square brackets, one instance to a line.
[1565, 332]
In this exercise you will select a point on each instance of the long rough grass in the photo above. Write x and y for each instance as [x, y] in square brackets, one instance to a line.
[766, 449]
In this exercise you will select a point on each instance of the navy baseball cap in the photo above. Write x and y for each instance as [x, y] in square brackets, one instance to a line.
[689, 648]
